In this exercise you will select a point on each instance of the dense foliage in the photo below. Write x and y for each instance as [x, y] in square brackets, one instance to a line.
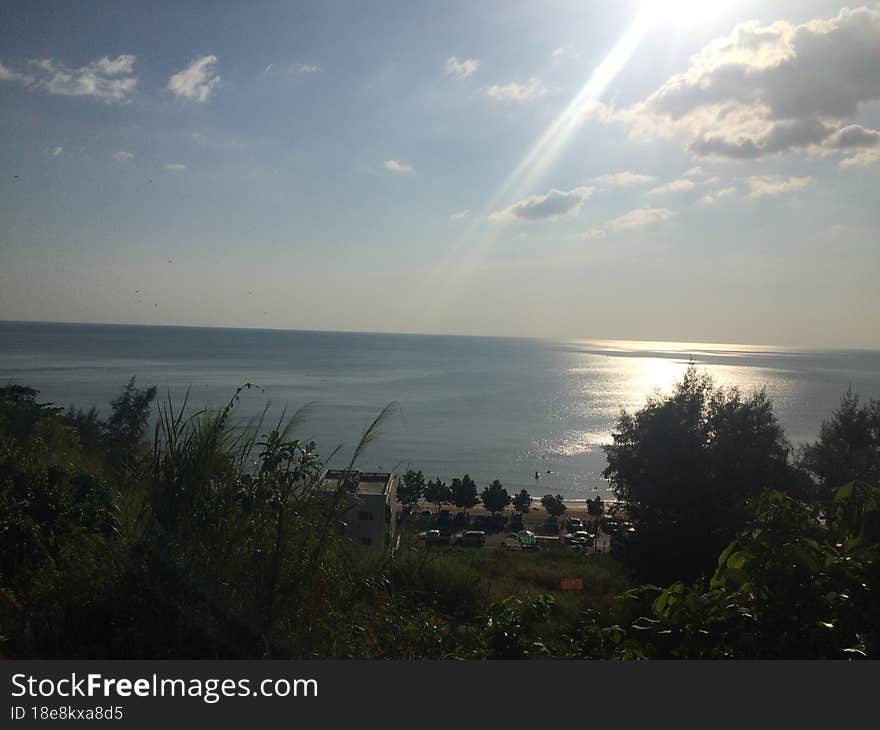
[690, 465]
[212, 541]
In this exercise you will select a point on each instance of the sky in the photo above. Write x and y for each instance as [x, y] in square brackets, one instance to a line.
[677, 170]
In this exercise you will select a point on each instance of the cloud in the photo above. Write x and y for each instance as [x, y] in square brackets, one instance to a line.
[853, 136]
[862, 159]
[460, 216]
[566, 52]
[765, 90]
[623, 179]
[513, 91]
[305, 68]
[175, 167]
[717, 195]
[682, 185]
[197, 81]
[396, 166]
[769, 186]
[54, 151]
[638, 218]
[461, 69]
[7, 74]
[122, 156]
[551, 206]
[107, 79]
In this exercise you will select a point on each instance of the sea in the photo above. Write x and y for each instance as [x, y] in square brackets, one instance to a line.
[532, 413]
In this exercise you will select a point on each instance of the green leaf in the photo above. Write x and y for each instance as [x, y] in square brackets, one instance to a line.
[738, 560]
[844, 492]
[728, 551]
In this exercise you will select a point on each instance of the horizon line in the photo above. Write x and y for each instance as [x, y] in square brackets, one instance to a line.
[568, 339]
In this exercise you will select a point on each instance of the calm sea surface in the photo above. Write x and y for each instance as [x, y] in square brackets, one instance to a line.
[496, 408]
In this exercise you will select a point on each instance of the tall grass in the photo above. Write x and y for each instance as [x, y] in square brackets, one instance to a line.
[237, 545]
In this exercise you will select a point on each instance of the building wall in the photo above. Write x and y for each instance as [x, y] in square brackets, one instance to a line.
[372, 518]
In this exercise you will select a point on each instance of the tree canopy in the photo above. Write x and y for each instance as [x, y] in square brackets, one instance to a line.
[555, 506]
[522, 502]
[848, 448]
[464, 493]
[687, 465]
[411, 489]
[495, 497]
[438, 493]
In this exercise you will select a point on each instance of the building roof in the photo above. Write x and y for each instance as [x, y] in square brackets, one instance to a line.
[368, 482]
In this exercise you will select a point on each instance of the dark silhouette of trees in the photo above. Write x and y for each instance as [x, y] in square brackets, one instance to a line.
[595, 508]
[848, 448]
[438, 493]
[555, 506]
[411, 489]
[19, 410]
[127, 425]
[687, 465]
[464, 493]
[495, 497]
[522, 502]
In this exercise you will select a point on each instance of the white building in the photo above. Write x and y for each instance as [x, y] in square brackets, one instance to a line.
[370, 518]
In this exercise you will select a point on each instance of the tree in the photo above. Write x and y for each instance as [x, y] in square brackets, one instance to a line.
[411, 490]
[555, 506]
[495, 497]
[464, 493]
[438, 493]
[848, 449]
[127, 425]
[595, 508]
[19, 410]
[522, 502]
[687, 465]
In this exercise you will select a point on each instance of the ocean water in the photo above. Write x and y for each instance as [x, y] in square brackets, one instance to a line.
[495, 408]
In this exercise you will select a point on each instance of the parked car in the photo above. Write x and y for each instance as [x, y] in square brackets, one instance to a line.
[523, 540]
[434, 537]
[575, 523]
[476, 538]
[580, 538]
[550, 528]
[511, 541]
[610, 526]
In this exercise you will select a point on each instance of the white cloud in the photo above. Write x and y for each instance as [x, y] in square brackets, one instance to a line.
[54, 151]
[638, 218]
[717, 195]
[566, 52]
[175, 167]
[122, 156]
[767, 186]
[111, 80]
[764, 90]
[197, 81]
[461, 69]
[396, 166]
[682, 185]
[623, 179]
[305, 68]
[553, 205]
[460, 216]
[861, 159]
[7, 74]
[513, 91]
